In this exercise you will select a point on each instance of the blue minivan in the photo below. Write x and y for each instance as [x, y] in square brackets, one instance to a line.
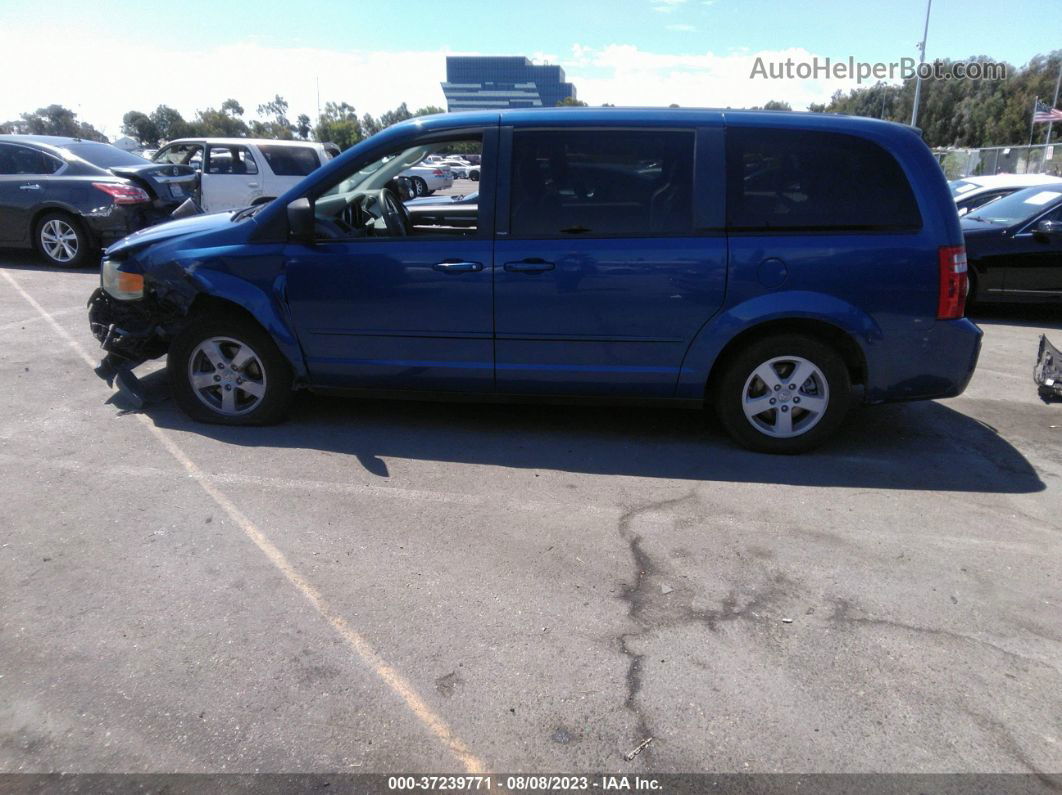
[777, 266]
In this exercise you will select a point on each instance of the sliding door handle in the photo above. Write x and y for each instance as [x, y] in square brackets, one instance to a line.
[529, 266]
[458, 267]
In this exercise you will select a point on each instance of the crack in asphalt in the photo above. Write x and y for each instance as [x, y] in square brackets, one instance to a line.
[843, 614]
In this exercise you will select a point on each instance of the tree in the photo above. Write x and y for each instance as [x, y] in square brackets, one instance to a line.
[428, 110]
[140, 126]
[302, 126]
[217, 124]
[401, 113]
[280, 126]
[773, 104]
[231, 107]
[338, 125]
[571, 102]
[54, 120]
[369, 125]
[169, 123]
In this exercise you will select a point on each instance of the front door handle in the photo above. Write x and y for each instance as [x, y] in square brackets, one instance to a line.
[34, 186]
[252, 184]
[458, 267]
[533, 265]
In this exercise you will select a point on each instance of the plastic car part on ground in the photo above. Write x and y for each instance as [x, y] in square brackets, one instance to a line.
[1048, 370]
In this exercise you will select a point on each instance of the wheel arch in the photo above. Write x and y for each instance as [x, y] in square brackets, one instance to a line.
[226, 294]
[823, 331]
[849, 329]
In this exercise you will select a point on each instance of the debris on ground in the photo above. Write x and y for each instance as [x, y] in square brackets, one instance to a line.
[1048, 370]
[641, 747]
[666, 589]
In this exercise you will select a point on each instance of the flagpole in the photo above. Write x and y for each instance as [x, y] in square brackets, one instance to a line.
[1050, 124]
[1032, 121]
[921, 60]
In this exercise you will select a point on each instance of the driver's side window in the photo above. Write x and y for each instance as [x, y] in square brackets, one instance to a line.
[406, 193]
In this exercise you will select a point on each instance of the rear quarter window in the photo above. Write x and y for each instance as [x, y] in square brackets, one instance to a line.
[796, 180]
[290, 161]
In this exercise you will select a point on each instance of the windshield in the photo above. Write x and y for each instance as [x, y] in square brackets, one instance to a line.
[104, 155]
[961, 186]
[1018, 206]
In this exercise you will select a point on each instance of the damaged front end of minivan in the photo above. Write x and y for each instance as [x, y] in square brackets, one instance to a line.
[148, 292]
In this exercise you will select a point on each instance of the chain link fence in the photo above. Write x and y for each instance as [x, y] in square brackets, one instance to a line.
[1036, 159]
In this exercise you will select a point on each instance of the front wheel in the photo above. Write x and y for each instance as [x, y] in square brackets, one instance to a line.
[783, 394]
[420, 187]
[227, 370]
[474, 176]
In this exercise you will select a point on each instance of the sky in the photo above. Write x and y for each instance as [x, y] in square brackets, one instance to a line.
[103, 58]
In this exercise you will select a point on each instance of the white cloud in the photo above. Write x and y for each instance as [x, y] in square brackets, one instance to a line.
[623, 74]
[81, 75]
[666, 6]
[372, 81]
[682, 28]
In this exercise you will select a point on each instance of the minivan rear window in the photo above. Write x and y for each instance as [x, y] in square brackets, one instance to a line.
[290, 161]
[630, 183]
[801, 180]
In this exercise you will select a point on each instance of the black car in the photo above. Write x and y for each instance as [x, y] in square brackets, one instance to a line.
[1014, 247]
[69, 197]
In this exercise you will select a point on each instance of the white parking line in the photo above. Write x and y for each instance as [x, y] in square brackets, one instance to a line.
[37, 318]
[364, 650]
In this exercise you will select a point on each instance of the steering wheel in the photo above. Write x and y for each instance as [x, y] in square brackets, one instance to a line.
[394, 213]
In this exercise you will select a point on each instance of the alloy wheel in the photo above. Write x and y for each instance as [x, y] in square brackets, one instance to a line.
[59, 240]
[785, 396]
[227, 376]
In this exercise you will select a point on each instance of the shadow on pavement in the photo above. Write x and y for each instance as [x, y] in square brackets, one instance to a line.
[27, 260]
[921, 446]
[1030, 315]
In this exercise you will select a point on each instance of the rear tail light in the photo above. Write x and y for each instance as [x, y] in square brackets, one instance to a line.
[951, 303]
[123, 194]
[438, 173]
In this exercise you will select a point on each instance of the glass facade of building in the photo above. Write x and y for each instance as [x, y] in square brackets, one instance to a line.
[476, 83]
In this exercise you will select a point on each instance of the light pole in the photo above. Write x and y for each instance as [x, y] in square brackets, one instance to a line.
[921, 60]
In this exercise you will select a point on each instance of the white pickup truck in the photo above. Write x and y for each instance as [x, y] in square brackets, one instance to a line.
[239, 172]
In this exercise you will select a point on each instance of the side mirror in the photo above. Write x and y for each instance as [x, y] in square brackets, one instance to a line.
[301, 221]
[1048, 230]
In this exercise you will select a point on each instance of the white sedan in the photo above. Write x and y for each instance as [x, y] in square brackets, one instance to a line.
[429, 177]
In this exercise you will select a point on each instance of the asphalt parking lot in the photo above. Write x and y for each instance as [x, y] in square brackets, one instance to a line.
[380, 587]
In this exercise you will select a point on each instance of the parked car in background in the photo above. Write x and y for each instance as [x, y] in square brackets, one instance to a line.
[1014, 246]
[239, 172]
[429, 177]
[68, 197]
[973, 192]
[585, 275]
[462, 169]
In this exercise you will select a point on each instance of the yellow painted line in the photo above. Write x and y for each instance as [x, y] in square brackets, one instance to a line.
[365, 651]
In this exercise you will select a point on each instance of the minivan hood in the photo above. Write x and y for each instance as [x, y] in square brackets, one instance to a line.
[170, 230]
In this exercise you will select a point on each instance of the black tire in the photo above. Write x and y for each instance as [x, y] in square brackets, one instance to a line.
[971, 289]
[54, 252]
[420, 187]
[474, 176]
[738, 378]
[268, 368]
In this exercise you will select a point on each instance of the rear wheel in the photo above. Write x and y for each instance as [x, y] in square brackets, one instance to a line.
[227, 370]
[62, 241]
[474, 176]
[783, 394]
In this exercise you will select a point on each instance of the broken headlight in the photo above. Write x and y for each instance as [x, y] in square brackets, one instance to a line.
[120, 284]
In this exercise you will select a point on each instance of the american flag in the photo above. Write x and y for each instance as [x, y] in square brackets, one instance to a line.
[1044, 113]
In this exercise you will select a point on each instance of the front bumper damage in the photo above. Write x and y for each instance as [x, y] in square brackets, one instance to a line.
[1048, 371]
[131, 332]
